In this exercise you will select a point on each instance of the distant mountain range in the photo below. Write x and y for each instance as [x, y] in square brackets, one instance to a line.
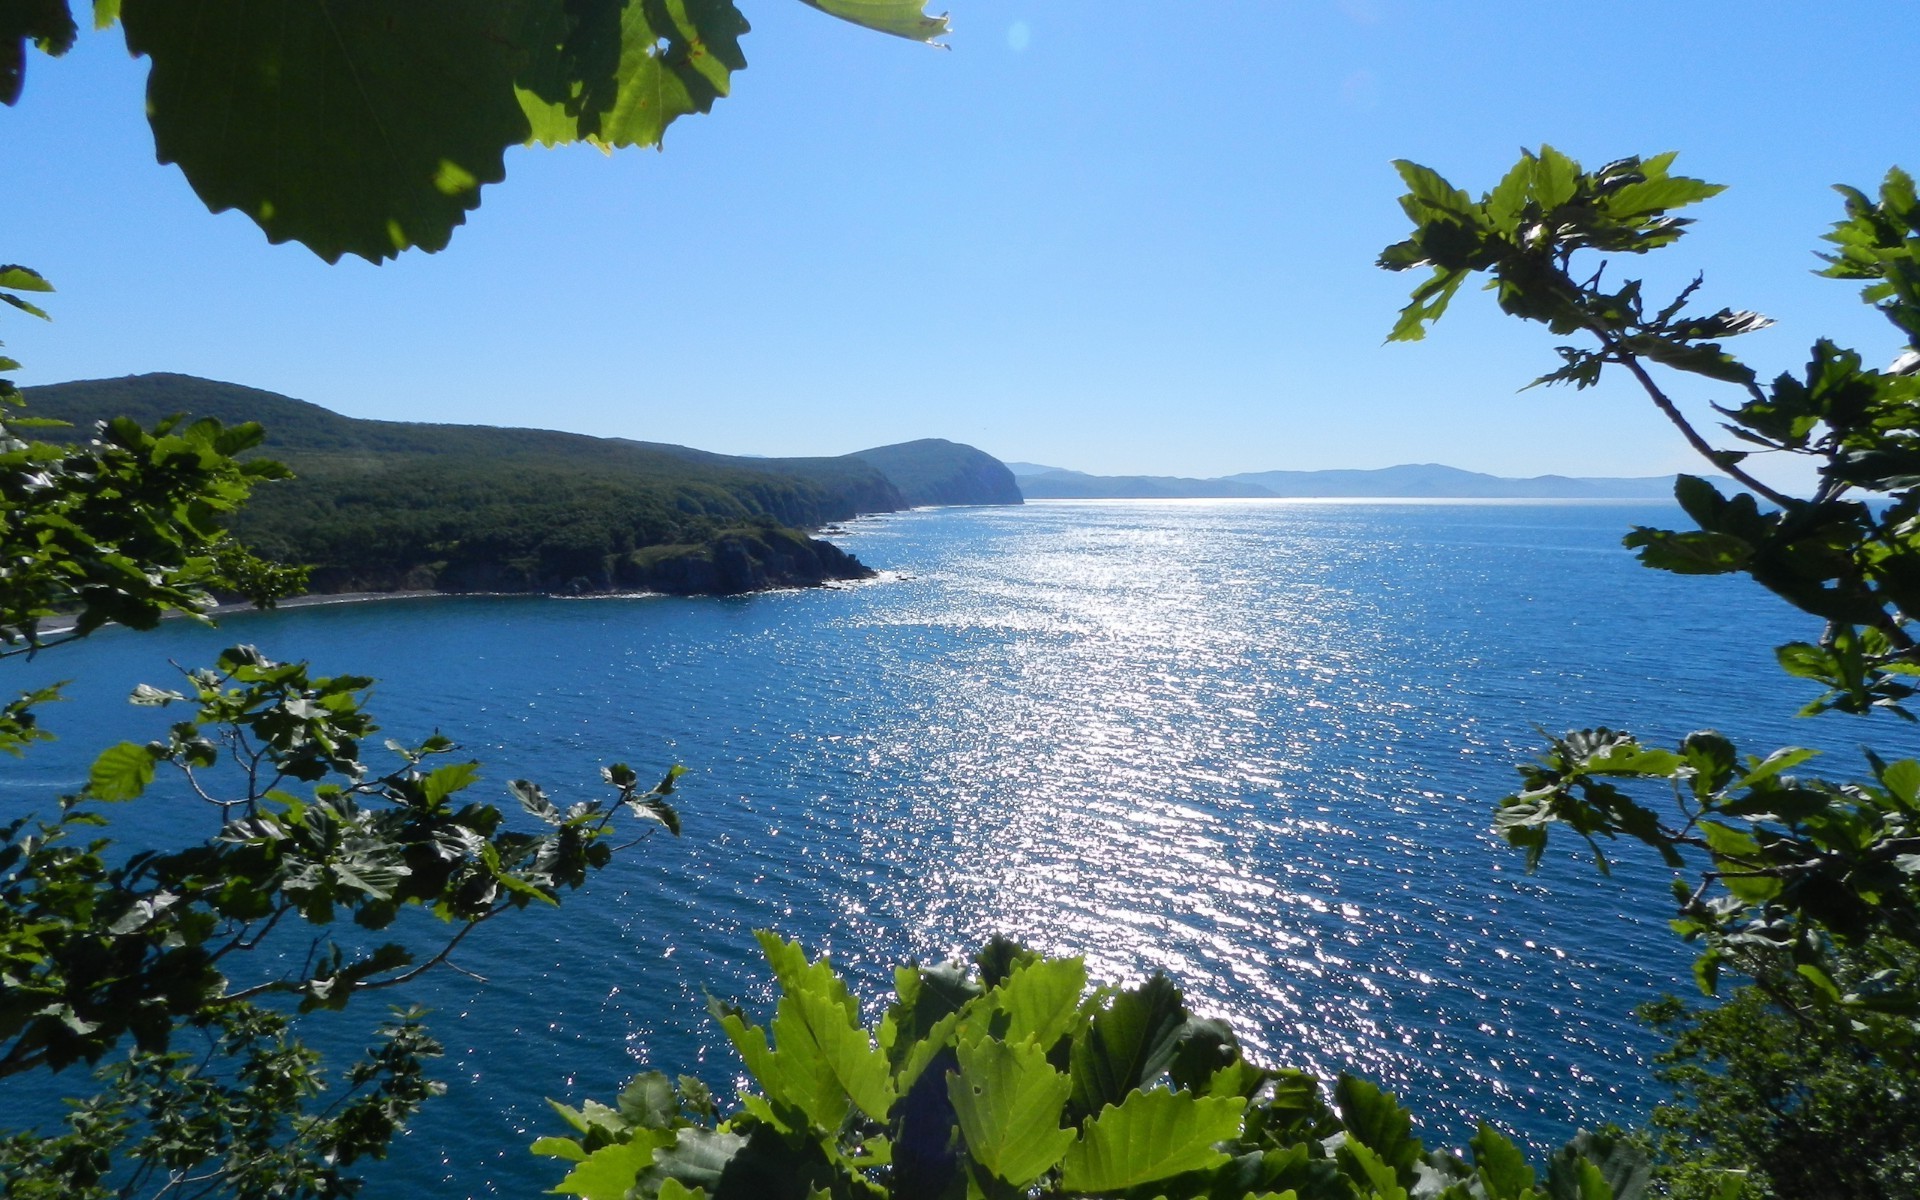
[1414, 481]
[384, 505]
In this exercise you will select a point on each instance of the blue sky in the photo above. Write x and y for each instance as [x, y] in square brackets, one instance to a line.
[1119, 237]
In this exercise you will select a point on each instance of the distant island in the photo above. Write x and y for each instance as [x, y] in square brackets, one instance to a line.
[1411, 482]
[382, 506]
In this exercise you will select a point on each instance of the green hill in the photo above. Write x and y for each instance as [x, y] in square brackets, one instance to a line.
[379, 505]
[936, 471]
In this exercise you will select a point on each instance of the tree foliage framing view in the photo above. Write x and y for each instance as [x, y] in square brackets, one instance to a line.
[1009, 1077]
[1808, 887]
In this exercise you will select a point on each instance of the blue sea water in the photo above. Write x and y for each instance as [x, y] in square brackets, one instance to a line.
[1253, 744]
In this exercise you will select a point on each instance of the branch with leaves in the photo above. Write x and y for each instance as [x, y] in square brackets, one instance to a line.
[1810, 886]
[94, 953]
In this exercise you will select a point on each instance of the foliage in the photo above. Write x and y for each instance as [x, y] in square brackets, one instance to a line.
[127, 528]
[232, 1119]
[95, 952]
[1014, 1079]
[100, 947]
[1808, 886]
[1805, 1109]
[1795, 863]
[388, 118]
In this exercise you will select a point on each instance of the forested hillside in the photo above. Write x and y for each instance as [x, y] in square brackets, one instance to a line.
[378, 505]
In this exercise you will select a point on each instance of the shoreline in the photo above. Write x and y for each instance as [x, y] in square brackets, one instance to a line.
[330, 599]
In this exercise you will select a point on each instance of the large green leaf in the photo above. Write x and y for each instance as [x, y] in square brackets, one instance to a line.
[1596, 1166]
[820, 1058]
[902, 18]
[728, 1166]
[1127, 1044]
[608, 1173]
[1501, 1167]
[352, 126]
[1042, 1000]
[1008, 1100]
[626, 69]
[1373, 1116]
[649, 1101]
[121, 772]
[817, 1029]
[1153, 1134]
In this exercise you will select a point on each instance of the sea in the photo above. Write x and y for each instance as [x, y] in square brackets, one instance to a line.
[1254, 745]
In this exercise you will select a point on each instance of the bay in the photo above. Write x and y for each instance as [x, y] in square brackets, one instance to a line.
[1253, 744]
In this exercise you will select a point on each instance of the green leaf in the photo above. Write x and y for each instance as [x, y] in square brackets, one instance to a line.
[1597, 1166]
[824, 1058]
[608, 1173]
[695, 1158]
[121, 772]
[444, 781]
[385, 119]
[1902, 781]
[24, 279]
[1374, 1117]
[559, 1147]
[1728, 842]
[1822, 982]
[649, 1101]
[1658, 195]
[1151, 1135]
[1008, 1100]
[625, 71]
[1042, 999]
[1501, 1166]
[1780, 760]
[32, 310]
[1127, 1045]
[817, 1027]
[902, 18]
[1368, 1170]
[656, 810]
[1556, 178]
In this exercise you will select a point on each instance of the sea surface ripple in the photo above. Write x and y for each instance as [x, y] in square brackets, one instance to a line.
[1255, 745]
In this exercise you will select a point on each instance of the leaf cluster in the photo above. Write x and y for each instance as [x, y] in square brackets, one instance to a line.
[1795, 873]
[388, 118]
[93, 952]
[125, 528]
[1801, 1107]
[1795, 865]
[1011, 1077]
[1808, 887]
[246, 1115]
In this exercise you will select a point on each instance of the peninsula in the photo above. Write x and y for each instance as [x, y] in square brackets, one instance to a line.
[381, 506]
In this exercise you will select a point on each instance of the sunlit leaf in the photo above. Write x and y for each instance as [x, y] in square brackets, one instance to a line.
[1008, 1100]
[1151, 1135]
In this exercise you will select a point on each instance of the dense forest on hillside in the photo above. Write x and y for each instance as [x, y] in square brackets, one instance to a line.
[379, 505]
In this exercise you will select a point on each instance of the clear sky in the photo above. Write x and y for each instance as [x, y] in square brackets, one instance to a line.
[1120, 237]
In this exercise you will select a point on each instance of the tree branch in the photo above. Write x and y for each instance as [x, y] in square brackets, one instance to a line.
[1631, 361]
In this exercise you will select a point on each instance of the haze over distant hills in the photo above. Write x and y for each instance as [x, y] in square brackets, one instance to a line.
[1412, 481]
[379, 505]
